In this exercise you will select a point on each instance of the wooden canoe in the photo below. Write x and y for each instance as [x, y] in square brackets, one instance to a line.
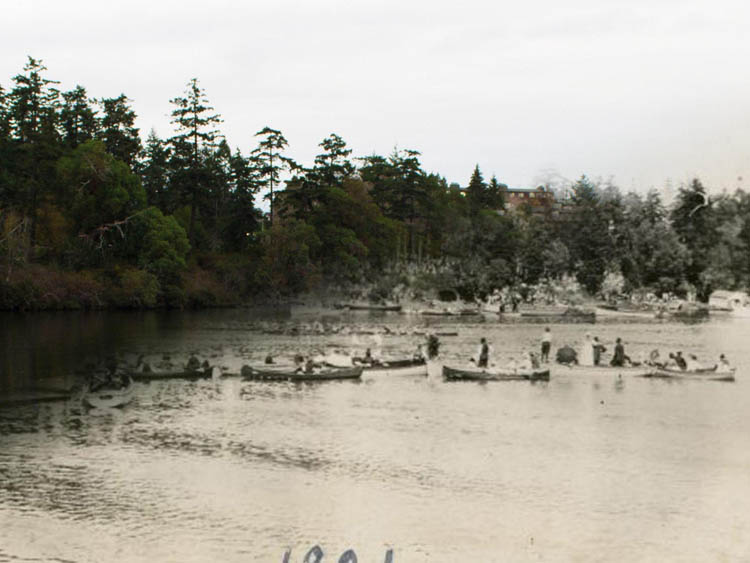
[202, 373]
[714, 374]
[365, 307]
[318, 374]
[600, 370]
[568, 316]
[454, 374]
[397, 367]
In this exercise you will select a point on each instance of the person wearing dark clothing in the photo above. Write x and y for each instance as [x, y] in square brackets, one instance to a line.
[619, 358]
[567, 356]
[680, 361]
[546, 345]
[484, 353]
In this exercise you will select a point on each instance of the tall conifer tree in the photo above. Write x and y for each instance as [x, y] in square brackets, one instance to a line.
[197, 133]
[270, 162]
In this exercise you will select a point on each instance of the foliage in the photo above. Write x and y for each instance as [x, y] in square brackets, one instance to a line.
[102, 220]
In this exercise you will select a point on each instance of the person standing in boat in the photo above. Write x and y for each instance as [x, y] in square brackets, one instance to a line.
[546, 344]
[586, 357]
[483, 353]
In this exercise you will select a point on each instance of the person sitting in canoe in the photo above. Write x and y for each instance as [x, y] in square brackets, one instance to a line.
[303, 365]
[483, 354]
[724, 363]
[692, 363]
[193, 364]
[419, 354]
[534, 361]
[676, 360]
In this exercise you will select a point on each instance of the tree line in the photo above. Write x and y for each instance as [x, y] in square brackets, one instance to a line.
[86, 205]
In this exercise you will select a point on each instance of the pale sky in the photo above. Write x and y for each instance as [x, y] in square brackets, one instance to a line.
[640, 91]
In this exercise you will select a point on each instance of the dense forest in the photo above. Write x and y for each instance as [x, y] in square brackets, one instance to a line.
[91, 216]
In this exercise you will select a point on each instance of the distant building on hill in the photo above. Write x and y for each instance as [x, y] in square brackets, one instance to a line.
[539, 200]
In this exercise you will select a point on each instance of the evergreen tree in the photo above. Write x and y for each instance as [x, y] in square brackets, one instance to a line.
[332, 166]
[118, 130]
[197, 134]
[155, 174]
[77, 118]
[33, 108]
[694, 221]
[587, 236]
[241, 218]
[495, 190]
[33, 104]
[476, 192]
[4, 115]
[270, 162]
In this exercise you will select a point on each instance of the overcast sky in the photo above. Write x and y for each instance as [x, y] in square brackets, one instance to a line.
[641, 91]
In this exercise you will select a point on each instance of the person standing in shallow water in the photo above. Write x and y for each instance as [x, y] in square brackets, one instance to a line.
[586, 357]
[546, 344]
[483, 353]
[619, 357]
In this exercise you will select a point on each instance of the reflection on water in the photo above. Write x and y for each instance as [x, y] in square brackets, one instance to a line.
[581, 468]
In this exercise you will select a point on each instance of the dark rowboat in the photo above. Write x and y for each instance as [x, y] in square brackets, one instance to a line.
[202, 373]
[325, 374]
[453, 374]
[711, 374]
[365, 307]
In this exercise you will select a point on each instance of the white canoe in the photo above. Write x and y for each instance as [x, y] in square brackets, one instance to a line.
[110, 398]
[385, 370]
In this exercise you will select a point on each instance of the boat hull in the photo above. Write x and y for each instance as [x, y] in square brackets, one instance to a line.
[326, 374]
[454, 374]
[398, 368]
[109, 398]
[179, 374]
[708, 374]
[359, 307]
[601, 370]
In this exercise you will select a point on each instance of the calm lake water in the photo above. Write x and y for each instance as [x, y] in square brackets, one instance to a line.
[583, 468]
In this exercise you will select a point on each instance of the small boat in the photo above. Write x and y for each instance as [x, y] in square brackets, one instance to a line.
[201, 373]
[684, 311]
[397, 367]
[455, 374]
[600, 370]
[249, 373]
[711, 374]
[609, 311]
[449, 312]
[569, 315]
[108, 397]
[368, 307]
[733, 303]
